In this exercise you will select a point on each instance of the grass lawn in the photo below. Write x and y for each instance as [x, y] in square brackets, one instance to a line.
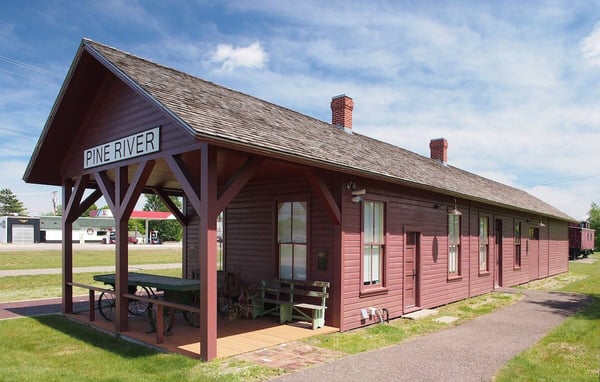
[16, 288]
[85, 258]
[398, 330]
[51, 348]
[570, 352]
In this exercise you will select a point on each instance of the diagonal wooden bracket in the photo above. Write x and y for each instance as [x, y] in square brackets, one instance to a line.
[320, 188]
[71, 210]
[138, 182]
[237, 182]
[107, 187]
[181, 218]
[181, 172]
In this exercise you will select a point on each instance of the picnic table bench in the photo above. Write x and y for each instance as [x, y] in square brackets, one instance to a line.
[292, 299]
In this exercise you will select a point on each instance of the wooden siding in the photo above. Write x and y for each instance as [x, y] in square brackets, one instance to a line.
[558, 246]
[251, 249]
[120, 112]
[411, 211]
[250, 225]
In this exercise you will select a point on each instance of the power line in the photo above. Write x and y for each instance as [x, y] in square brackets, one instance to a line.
[30, 67]
[18, 132]
[565, 180]
[27, 77]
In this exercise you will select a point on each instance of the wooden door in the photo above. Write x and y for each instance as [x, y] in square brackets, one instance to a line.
[411, 270]
[498, 253]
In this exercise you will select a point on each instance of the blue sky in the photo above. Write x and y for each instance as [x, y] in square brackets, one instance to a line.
[512, 85]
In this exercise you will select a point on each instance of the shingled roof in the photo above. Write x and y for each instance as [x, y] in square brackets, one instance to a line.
[214, 112]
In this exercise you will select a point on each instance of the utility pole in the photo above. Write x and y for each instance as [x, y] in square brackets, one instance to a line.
[54, 201]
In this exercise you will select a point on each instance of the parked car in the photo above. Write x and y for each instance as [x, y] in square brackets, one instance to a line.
[130, 239]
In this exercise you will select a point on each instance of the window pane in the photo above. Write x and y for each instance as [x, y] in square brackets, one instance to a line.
[376, 264]
[299, 222]
[367, 264]
[483, 257]
[378, 223]
[452, 258]
[368, 222]
[453, 229]
[483, 230]
[285, 261]
[299, 262]
[284, 222]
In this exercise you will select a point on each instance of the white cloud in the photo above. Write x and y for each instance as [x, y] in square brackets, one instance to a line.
[590, 46]
[230, 58]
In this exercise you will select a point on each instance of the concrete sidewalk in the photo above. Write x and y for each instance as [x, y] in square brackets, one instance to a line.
[474, 351]
[110, 268]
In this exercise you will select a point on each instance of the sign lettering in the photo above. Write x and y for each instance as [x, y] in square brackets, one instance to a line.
[132, 146]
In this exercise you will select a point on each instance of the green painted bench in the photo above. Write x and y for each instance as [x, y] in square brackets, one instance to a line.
[303, 300]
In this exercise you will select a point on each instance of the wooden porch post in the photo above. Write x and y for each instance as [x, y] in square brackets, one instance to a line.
[72, 209]
[121, 198]
[122, 252]
[208, 253]
[203, 198]
[67, 250]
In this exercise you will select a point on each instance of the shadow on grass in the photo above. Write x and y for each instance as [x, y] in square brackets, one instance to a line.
[568, 304]
[94, 337]
[36, 309]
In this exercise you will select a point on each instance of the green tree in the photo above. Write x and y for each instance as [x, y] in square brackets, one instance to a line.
[168, 230]
[9, 204]
[594, 219]
[136, 225]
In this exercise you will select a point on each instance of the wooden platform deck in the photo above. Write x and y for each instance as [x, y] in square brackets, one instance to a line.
[233, 337]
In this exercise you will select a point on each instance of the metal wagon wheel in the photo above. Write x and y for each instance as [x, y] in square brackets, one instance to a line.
[106, 305]
[137, 307]
[193, 318]
[168, 318]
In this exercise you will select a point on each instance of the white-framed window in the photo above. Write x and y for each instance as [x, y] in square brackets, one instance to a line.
[292, 218]
[454, 245]
[373, 242]
[484, 233]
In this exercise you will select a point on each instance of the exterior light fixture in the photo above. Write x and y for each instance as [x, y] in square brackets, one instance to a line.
[542, 223]
[455, 211]
[357, 195]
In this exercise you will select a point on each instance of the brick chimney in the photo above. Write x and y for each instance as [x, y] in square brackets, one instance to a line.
[439, 149]
[341, 111]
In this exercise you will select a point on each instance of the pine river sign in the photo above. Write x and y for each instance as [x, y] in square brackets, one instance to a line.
[132, 146]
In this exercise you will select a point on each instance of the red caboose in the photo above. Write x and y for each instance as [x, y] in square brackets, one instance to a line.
[581, 240]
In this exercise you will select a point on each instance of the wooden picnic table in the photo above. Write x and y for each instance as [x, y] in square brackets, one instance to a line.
[161, 283]
[174, 289]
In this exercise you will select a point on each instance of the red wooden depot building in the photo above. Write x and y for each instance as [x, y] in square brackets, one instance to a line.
[301, 198]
